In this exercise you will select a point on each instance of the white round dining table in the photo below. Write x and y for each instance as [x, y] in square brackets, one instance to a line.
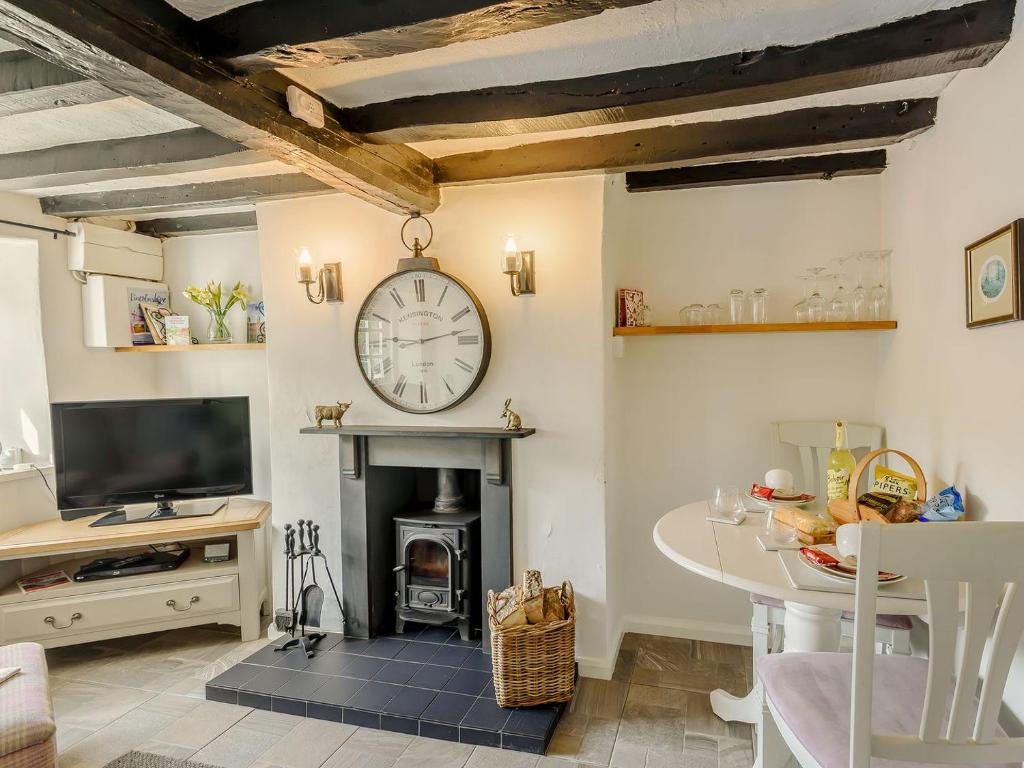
[731, 554]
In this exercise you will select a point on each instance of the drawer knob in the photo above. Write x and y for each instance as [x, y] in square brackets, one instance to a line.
[174, 606]
[53, 622]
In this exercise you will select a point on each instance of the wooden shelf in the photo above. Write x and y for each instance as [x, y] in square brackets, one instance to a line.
[190, 347]
[663, 330]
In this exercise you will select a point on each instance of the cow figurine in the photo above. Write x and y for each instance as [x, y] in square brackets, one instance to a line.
[333, 413]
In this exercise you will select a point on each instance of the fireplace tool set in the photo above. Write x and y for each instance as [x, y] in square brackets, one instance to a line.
[305, 604]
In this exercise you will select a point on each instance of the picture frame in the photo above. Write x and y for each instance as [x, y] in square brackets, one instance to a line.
[992, 272]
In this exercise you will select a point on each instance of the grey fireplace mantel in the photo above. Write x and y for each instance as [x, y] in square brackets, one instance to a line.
[375, 462]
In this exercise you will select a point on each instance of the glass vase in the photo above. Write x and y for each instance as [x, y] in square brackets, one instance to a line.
[218, 331]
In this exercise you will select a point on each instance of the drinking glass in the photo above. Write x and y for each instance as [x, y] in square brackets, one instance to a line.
[878, 297]
[865, 273]
[839, 305]
[713, 314]
[800, 311]
[759, 306]
[737, 304]
[777, 532]
[692, 314]
[815, 302]
[727, 502]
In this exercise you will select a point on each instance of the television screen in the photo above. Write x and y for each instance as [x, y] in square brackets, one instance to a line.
[108, 454]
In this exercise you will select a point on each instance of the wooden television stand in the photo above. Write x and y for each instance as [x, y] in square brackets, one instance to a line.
[230, 592]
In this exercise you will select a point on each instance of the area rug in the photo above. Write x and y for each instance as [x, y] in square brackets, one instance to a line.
[149, 760]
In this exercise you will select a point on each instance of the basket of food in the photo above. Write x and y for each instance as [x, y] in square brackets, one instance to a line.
[893, 497]
[533, 642]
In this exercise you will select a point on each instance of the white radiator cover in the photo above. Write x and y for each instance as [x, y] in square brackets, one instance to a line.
[102, 250]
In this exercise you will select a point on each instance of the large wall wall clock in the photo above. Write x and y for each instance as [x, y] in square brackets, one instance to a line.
[422, 338]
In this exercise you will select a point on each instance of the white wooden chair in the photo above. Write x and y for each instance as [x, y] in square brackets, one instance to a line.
[835, 710]
[803, 447]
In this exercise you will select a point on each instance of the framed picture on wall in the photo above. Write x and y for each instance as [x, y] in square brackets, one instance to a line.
[993, 276]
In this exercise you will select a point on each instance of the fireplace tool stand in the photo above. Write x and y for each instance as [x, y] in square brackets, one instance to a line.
[306, 603]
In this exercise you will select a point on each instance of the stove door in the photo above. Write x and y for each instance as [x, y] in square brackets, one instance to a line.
[431, 572]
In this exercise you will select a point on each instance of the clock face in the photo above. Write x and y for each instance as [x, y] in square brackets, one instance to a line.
[422, 341]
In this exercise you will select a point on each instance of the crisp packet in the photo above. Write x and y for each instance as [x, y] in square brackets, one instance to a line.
[946, 505]
[893, 482]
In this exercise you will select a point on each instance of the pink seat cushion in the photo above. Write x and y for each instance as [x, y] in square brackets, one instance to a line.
[884, 620]
[811, 692]
[26, 714]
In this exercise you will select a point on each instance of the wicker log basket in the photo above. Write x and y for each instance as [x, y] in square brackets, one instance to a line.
[849, 511]
[534, 663]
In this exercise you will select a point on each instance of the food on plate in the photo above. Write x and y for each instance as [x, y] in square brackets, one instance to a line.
[890, 481]
[847, 565]
[805, 522]
[946, 505]
[762, 492]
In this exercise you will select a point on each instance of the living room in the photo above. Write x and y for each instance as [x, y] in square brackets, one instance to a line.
[558, 434]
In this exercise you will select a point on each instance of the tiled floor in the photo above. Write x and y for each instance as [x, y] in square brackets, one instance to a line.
[147, 693]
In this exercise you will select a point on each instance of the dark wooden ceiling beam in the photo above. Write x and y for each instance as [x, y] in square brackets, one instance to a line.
[946, 40]
[319, 33]
[131, 47]
[29, 84]
[826, 167]
[136, 202]
[209, 224]
[818, 129]
[185, 151]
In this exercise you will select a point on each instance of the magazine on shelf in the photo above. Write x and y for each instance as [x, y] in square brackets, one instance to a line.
[40, 581]
[141, 334]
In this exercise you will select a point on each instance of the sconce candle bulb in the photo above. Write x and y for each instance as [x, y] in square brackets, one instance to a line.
[511, 260]
[304, 269]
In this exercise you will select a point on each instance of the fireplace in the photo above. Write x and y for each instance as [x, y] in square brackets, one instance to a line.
[437, 576]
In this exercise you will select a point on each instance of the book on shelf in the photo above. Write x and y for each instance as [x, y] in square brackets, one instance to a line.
[177, 330]
[630, 307]
[39, 581]
[156, 298]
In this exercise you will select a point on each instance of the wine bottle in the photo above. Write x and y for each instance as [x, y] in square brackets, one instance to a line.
[840, 466]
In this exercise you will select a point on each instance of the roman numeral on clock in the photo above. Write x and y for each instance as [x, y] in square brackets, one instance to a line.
[385, 366]
[464, 365]
[421, 289]
[447, 385]
[460, 314]
[423, 393]
[443, 292]
[400, 385]
[463, 340]
[381, 318]
[396, 297]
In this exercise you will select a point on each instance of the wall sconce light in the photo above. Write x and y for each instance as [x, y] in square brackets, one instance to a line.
[518, 265]
[327, 278]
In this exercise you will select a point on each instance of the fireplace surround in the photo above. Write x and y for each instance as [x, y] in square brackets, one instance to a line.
[388, 475]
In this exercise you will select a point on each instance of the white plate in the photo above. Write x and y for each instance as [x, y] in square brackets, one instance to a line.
[776, 504]
[839, 575]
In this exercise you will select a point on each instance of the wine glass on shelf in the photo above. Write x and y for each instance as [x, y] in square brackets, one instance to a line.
[800, 309]
[878, 297]
[865, 272]
[815, 302]
[838, 305]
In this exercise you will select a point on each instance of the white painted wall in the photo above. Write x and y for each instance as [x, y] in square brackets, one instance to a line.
[950, 396]
[688, 413]
[227, 259]
[24, 404]
[546, 355]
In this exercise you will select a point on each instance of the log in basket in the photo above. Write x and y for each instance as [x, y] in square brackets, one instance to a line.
[849, 511]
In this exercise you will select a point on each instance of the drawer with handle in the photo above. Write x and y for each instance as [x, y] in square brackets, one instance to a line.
[40, 619]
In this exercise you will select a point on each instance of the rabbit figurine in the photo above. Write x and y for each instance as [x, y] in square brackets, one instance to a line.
[513, 421]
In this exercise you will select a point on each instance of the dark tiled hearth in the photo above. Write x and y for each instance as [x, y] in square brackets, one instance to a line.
[426, 682]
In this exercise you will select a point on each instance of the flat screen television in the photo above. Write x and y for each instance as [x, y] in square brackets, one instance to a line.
[110, 454]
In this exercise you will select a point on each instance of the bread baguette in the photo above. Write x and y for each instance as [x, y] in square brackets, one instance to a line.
[533, 597]
[805, 522]
[508, 608]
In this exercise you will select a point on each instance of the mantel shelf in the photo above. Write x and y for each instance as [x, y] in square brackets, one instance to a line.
[190, 347]
[663, 330]
[484, 433]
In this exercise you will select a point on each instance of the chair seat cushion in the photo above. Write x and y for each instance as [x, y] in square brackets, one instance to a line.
[811, 692]
[26, 714]
[884, 620]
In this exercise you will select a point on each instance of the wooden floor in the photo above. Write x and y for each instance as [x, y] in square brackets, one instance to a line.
[146, 693]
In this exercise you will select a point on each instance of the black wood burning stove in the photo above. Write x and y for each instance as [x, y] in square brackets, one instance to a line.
[438, 572]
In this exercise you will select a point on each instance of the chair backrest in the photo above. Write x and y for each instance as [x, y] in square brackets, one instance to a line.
[980, 561]
[813, 441]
